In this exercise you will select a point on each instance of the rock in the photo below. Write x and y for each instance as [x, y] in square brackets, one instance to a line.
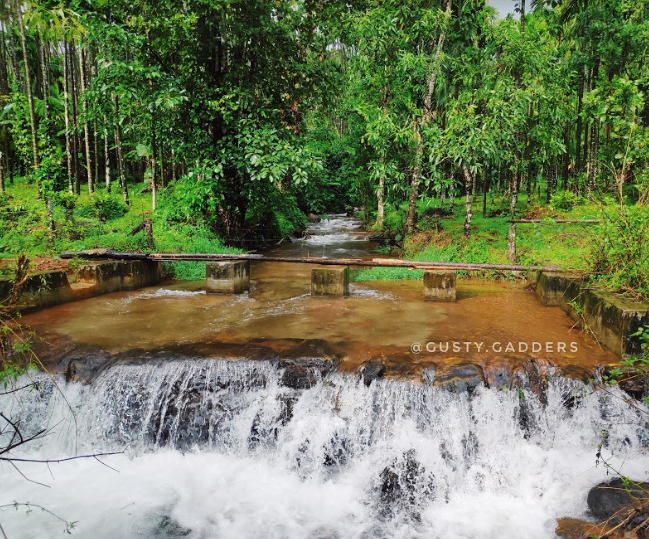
[535, 377]
[372, 370]
[168, 527]
[303, 373]
[306, 363]
[499, 376]
[313, 218]
[612, 497]
[85, 365]
[404, 485]
[459, 378]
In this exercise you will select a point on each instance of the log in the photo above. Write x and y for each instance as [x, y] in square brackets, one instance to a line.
[376, 262]
[558, 221]
[98, 254]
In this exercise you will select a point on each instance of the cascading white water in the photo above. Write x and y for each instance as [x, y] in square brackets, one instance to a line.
[220, 449]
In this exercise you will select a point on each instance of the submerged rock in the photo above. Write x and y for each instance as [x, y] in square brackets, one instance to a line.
[459, 378]
[372, 370]
[306, 364]
[169, 528]
[404, 486]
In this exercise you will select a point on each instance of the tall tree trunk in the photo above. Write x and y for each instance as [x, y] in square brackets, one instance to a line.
[487, 186]
[50, 220]
[451, 197]
[592, 159]
[2, 175]
[421, 124]
[28, 84]
[580, 98]
[468, 179]
[514, 193]
[95, 152]
[106, 155]
[380, 212]
[154, 182]
[120, 153]
[86, 129]
[76, 144]
[45, 83]
[66, 113]
[565, 159]
[163, 181]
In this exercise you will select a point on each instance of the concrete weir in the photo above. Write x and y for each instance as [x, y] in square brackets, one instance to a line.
[330, 281]
[227, 277]
[612, 319]
[49, 288]
[439, 285]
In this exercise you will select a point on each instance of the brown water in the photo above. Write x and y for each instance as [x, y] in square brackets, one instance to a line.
[379, 319]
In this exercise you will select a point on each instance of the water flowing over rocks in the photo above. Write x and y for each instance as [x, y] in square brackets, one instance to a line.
[400, 455]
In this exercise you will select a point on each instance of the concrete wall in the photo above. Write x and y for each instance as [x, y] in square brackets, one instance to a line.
[612, 319]
[49, 288]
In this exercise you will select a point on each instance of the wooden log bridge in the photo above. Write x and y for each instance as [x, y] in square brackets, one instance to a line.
[228, 273]
[324, 261]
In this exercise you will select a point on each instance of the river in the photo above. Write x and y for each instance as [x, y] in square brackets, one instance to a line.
[219, 448]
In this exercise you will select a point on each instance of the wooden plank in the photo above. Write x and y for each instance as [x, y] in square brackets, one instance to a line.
[558, 221]
[376, 262]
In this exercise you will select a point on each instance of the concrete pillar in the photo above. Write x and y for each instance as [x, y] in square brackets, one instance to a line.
[227, 277]
[439, 285]
[330, 281]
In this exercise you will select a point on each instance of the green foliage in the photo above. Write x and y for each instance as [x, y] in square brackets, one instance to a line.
[102, 207]
[632, 367]
[619, 256]
[564, 200]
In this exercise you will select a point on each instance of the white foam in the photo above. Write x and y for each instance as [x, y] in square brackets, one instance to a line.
[249, 473]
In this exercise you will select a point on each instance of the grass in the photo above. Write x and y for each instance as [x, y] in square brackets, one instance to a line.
[23, 224]
[539, 244]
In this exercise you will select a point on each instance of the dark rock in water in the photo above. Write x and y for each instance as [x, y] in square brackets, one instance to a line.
[390, 487]
[634, 385]
[313, 218]
[303, 373]
[169, 529]
[85, 365]
[404, 485]
[535, 377]
[499, 376]
[286, 408]
[372, 370]
[611, 497]
[306, 364]
[459, 378]
[336, 451]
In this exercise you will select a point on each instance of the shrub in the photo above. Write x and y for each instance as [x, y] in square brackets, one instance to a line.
[103, 207]
[564, 200]
[619, 255]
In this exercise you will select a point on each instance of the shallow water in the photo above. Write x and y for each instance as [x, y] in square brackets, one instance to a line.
[220, 449]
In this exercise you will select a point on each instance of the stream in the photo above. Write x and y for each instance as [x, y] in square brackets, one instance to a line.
[219, 436]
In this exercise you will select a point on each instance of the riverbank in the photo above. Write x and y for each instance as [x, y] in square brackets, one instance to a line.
[440, 237]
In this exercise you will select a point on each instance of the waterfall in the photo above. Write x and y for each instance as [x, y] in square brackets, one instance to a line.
[222, 449]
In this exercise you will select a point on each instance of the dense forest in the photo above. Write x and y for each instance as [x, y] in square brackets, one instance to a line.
[226, 122]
